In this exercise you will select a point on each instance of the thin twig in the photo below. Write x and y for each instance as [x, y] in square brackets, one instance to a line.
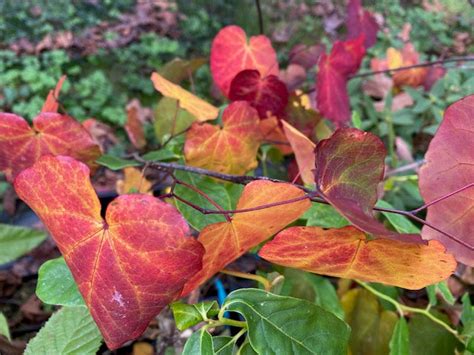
[260, 16]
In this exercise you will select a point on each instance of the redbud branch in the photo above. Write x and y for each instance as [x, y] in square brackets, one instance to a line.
[260, 17]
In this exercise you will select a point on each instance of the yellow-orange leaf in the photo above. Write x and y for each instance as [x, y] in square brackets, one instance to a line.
[202, 110]
[304, 152]
[231, 149]
[272, 132]
[226, 241]
[346, 253]
[133, 182]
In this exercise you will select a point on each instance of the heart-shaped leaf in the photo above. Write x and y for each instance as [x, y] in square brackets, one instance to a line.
[231, 149]
[360, 21]
[349, 167]
[268, 94]
[128, 266]
[347, 253]
[287, 325]
[226, 241]
[52, 133]
[202, 110]
[232, 52]
[450, 167]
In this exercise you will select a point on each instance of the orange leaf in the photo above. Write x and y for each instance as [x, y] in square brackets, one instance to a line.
[304, 152]
[133, 182]
[51, 104]
[231, 53]
[272, 132]
[134, 125]
[52, 133]
[202, 110]
[226, 241]
[128, 266]
[346, 253]
[231, 149]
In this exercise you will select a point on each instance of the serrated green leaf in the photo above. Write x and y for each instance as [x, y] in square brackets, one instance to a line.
[400, 342]
[115, 163]
[225, 196]
[401, 223]
[287, 325]
[4, 329]
[16, 241]
[56, 284]
[199, 343]
[324, 216]
[71, 330]
[187, 315]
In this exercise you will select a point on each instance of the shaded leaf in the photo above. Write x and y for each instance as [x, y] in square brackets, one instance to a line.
[133, 182]
[199, 343]
[346, 253]
[361, 21]
[103, 254]
[56, 285]
[202, 110]
[401, 223]
[254, 53]
[325, 216]
[16, 241]
[188, 315]
[400, 342]
[450, 167]
[4, 329]
[226, 241]
[349, 167]
[287, 325]
[272, 132]
[231, 149]
[115, 163]
[134, 124]
[51, 134]
[268, 94]
[51, 104]
[71, 330]
[170, 119]
[178, 69]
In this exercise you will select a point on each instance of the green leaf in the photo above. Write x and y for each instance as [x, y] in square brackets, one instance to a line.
[431, 291]
[199, 343]
[187, 315]
[372, 326]
[115, 163]
[16, 241]
[71, 330]
[223, 345]
[446, 292]
[170, 119]
[313, 288]
[160, 155]
[400, 342]
[246, 349]
[467, 314]
[401, 223]
[225, 196]
[324, 216]
[286, 325]
[4, 330]
[427, 337]
[56, 284]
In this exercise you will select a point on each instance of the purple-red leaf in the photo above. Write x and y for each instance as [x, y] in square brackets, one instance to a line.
[268, 95]
[360, 21]
[450, 167]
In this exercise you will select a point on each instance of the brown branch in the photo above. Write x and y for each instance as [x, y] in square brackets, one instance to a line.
[260, 17]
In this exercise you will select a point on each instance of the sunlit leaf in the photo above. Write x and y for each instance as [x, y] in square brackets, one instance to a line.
[450, 167]
[133, 182]
[52, 134]
[226, 241]
[142, 245]
[347, 253]
[202, 110]
[4, 329]
[51, 104]
[232, 52]
[231, 149]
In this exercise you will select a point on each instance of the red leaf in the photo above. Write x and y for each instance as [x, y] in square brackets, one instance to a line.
[52, 133]
[268, 95]
[51, 104]
[333, 72]
[226, 241]
[450, 167]
[360, 21]
[349, 167]
[347, 253]
[134, 125]
[128, 266]
[231, 53]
